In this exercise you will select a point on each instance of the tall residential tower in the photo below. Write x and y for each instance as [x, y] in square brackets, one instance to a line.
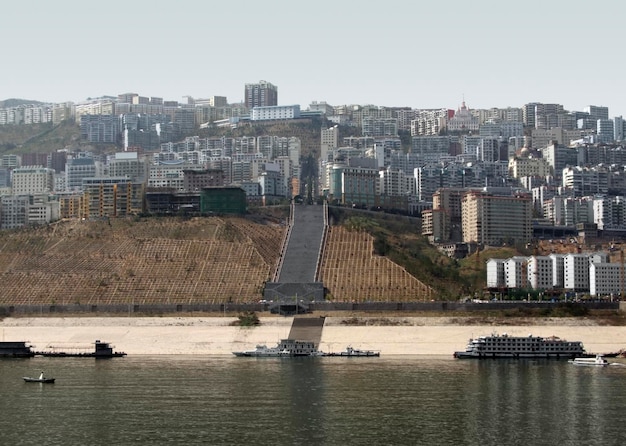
[262, 94]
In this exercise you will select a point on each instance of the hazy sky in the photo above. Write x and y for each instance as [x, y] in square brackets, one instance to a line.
[392, 53]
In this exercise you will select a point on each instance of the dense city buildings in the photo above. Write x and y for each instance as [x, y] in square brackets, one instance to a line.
[475, 177]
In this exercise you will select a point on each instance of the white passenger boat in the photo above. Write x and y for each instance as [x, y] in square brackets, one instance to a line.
[505, 346]
[597, 361]
[285, 348]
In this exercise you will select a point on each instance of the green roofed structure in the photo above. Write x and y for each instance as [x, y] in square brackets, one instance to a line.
[223, 200]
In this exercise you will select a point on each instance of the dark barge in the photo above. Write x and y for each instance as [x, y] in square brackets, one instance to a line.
[15, 350]
[103, 350]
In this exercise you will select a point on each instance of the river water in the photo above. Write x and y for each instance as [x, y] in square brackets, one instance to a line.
[185, 400]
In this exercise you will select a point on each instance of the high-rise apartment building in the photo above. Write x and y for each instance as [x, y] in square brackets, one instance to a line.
[605, 130]
[263, 94]
[618, 128]
[597, 112]
[329, 141]
[496, 219]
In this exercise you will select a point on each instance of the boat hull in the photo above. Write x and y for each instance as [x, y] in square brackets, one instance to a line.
[466, 355]
[598, 361]
[39, 380]
[260, 355]
[588, 365]
[363, 354]
[81, 355]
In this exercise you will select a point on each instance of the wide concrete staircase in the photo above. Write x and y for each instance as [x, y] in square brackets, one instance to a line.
[295, 283]
[307, 329]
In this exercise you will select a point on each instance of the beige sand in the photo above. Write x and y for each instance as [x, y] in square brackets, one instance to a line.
[215, 336]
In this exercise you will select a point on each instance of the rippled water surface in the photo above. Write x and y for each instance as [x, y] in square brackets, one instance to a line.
[328, 401]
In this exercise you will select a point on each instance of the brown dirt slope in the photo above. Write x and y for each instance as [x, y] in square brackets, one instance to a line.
[166, 260]
[173, 260]
[352, 272]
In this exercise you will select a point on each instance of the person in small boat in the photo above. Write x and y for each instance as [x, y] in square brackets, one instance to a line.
[41, 376]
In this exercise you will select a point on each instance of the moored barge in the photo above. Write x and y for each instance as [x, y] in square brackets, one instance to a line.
[18, 349]
[102, 350]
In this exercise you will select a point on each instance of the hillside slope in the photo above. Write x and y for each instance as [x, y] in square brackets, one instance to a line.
[205, 260]
[139, 261]
[45, 138]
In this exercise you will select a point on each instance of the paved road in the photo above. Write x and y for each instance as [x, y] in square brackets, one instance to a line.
[304, 245]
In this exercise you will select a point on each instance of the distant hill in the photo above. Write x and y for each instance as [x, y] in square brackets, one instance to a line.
[309, 132]
[42, 138]
[13, 102]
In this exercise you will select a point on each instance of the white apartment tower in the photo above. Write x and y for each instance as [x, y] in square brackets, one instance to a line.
[329, 141]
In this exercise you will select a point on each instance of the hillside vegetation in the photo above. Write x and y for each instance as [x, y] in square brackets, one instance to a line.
[399, 238]
[45, 138]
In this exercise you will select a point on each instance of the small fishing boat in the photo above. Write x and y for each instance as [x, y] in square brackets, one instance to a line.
[41, 379]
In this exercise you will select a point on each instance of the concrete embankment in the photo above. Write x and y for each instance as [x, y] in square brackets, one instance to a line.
[216, 335]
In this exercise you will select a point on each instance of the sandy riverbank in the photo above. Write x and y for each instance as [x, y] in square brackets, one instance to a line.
[215, 335]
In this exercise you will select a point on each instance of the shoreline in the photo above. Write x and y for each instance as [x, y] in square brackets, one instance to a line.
[215, 336]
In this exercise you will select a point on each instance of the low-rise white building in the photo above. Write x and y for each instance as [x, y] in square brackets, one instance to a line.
[275, 112]
[515, 272]
[576, 272]
[581, 273]
[606, 279]
[540, 272]
[558, 279]
[495, 273]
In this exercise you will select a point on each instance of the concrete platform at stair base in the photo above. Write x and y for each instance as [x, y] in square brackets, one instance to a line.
[293, 292]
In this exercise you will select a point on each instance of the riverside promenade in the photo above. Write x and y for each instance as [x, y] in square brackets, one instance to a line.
[216, 335]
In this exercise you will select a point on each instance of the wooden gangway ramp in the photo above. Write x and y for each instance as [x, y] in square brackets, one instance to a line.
[307, 329]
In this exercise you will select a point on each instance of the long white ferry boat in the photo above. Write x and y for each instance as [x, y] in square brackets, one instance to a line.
[506, 346]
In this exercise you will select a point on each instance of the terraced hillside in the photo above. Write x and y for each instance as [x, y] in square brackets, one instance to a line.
[352, 272]
[201, 260]
[171, 261]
